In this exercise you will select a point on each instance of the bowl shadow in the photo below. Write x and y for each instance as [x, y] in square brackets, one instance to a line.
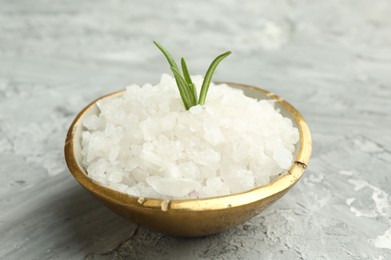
[92, 231]
[88, 226]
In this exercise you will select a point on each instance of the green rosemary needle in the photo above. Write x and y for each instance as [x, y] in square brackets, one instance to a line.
[208, 76]
[187, 76]
[186, 87]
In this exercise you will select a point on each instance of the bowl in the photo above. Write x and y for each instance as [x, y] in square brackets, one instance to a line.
[193, 217]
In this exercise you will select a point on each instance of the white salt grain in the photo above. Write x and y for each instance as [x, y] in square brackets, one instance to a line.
[144, 143]
[173, 186]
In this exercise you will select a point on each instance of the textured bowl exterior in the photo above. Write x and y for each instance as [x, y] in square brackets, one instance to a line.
[194, 217]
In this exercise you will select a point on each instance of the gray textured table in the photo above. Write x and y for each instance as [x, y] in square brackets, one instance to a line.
[331, 60]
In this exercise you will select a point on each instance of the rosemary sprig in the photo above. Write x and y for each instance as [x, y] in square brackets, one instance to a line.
[185, 85]
[208, 76]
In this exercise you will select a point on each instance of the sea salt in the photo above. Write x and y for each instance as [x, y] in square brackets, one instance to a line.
[144, 143]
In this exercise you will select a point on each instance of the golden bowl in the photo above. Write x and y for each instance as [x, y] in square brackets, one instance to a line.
[193, 217]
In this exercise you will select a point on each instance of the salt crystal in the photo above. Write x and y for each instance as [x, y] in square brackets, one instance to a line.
[190, 170]
[175, 187]
[283, 157]
[93, 122]
[167, 122]
[118, 186]
[97, 167]
[150, 129]
[207, 157]
[238, 179]
[213, 134]
[213, 186]
[132, 164]
[139, 175]
[134, 191]
[115, 175]
[196, 110]
[171, 170]
[113, 154]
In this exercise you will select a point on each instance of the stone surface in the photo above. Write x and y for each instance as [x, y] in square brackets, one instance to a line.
[330, 59]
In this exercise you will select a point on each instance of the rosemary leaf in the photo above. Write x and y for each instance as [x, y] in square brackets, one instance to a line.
[189, 82]
[208, 77]
[184, 89]
[169, 58]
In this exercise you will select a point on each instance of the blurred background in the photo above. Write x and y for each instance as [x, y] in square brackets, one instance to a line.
[330, 59]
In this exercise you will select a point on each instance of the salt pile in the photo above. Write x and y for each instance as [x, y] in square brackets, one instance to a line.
[144, 143]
